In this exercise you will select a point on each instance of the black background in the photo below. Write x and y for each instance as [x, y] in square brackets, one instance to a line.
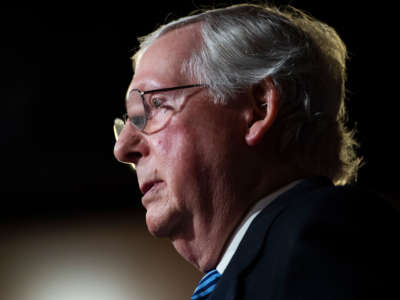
[64, 73]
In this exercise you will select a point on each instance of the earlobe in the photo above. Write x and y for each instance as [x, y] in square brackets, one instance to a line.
[266, 106]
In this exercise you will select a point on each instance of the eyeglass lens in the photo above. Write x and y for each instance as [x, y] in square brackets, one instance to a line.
[151, 111]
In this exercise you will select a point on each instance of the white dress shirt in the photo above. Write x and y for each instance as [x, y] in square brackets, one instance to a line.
[240, 231]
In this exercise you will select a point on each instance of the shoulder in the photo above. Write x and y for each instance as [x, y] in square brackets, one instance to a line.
[339, 218]
[337, 240]
[337, 205]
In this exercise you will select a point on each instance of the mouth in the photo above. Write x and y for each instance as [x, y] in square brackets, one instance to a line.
[148, 186]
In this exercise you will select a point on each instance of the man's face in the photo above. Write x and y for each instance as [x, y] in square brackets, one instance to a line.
[184, 170]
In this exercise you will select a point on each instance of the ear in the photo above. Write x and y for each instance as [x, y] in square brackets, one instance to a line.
[265, 106]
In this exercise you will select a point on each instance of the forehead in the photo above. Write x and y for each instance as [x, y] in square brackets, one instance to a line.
[162, 61]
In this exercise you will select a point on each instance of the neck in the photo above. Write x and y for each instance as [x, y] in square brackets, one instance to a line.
[204, 243]
[206, 235]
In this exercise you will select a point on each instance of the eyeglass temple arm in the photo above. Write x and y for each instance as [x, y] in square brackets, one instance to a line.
[173, 88]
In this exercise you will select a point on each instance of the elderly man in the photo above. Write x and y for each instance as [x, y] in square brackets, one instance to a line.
[235, 125]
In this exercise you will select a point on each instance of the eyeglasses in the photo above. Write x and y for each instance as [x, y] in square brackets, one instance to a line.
[150, 111]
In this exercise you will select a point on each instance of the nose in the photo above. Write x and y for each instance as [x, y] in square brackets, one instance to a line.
[131, 146]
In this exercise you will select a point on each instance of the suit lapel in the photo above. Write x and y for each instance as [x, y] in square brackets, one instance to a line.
[253, 241]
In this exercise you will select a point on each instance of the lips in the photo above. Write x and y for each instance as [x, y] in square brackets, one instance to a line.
[147, 186]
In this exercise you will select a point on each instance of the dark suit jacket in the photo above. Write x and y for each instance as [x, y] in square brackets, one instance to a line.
[317, 241]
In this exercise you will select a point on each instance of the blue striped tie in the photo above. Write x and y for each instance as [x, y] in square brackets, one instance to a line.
[206, 285]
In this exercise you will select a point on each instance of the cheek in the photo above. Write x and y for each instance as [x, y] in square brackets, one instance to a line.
[174, 151]
[177, 162]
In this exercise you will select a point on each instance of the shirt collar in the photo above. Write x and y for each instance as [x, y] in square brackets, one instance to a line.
[240, 231]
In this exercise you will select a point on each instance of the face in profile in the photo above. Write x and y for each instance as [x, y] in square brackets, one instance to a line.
[183, 167]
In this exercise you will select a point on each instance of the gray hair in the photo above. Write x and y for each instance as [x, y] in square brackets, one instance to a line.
[306, 59]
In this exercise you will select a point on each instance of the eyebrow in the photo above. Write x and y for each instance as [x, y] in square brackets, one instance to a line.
[163, 89]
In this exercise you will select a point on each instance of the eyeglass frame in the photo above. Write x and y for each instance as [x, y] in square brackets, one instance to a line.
[125, 116]
[119, 124]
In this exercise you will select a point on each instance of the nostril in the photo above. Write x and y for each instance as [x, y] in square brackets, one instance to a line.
[133, 157]
[126, 154]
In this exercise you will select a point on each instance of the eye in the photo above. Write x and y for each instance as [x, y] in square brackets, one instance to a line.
[157, 102]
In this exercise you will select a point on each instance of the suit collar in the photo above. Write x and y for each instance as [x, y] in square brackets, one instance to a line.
[261, 224]
[241, 230]
[253, 240]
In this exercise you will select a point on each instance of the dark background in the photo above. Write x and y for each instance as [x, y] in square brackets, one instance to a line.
[64, 73]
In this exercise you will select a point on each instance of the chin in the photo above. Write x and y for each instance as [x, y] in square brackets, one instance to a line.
[159, 226]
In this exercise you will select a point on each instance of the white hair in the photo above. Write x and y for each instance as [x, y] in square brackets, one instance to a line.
[306, 59]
